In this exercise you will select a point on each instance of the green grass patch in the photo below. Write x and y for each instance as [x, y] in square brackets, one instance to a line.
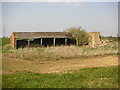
[6, 48]
[4, 41]
[104, 77]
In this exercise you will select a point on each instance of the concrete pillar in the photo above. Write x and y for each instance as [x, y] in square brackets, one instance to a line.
[28, 42]
[41, 42]
[54, 41]
[65, 41]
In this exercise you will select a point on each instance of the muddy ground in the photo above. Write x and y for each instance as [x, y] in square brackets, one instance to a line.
[11, 65]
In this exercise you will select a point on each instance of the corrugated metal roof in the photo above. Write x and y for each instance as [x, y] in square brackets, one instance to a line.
[30, 35]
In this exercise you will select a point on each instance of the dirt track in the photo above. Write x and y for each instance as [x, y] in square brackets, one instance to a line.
[11, 65]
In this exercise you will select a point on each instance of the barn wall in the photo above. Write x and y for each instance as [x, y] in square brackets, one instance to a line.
[12, 40]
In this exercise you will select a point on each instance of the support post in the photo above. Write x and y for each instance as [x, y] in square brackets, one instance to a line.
[65, 41]
[54, 41]
[41, 42]
[28, 42]
[76, 42]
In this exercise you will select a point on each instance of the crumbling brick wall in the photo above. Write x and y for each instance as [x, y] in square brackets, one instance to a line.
[94, 38]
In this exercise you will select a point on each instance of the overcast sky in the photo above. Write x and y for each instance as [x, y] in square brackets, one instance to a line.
[56, 17]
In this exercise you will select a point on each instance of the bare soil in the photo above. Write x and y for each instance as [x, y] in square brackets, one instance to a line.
[11, 65]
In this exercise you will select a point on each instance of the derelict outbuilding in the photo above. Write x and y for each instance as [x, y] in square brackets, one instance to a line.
[22, 39]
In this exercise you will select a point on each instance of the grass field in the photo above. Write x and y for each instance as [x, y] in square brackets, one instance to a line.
[104, 77]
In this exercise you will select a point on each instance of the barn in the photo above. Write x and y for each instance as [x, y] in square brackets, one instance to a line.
[23, 39]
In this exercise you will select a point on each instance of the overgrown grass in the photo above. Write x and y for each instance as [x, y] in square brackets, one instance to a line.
[58, 51]
[104, 77]
[62, 52]
[7, 49]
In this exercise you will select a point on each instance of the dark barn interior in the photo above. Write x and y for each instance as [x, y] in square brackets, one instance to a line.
[38, 39]
[45, 42]
[21, 43]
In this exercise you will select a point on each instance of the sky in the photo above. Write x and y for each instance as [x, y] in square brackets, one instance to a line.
[57, 16]
[66, 1]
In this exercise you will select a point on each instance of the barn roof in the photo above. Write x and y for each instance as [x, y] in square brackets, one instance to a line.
[30, 35]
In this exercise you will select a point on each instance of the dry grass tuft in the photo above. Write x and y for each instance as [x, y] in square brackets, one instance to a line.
[62, 52]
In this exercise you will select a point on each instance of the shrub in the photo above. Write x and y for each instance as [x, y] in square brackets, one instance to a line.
[80, 35]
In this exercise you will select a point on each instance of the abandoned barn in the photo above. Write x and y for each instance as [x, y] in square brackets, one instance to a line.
[23, 39]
